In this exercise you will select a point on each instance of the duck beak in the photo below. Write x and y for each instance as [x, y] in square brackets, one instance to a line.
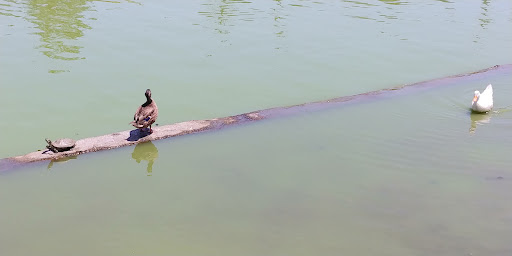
[475, 98]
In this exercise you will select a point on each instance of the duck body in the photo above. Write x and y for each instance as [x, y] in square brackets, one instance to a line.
[483, 102]
[146, 114]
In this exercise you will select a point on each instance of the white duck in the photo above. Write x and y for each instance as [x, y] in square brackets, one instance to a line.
[482, 102]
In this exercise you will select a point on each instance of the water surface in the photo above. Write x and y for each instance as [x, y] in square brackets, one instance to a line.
[410, 174]
[80, 68]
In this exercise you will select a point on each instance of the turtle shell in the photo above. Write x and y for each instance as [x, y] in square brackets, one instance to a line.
[64, 143]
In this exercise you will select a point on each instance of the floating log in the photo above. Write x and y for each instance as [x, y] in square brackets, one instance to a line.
[127, 138]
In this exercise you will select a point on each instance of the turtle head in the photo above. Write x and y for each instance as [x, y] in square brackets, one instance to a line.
[50, 146]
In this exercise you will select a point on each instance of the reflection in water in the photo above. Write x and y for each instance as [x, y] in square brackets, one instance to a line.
[60, 160]
[220, 13]
[485, 20]
[146, 151]
[478, 119]
[394, 2]
[394, 12]
[278, 17]
[59, 22]
[224, 11]
[224, 15]
[10, 8]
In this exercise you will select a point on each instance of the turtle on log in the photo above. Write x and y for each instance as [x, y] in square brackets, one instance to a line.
[60, 145]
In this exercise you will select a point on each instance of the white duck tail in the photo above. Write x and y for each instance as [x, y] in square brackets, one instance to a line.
[483, 102]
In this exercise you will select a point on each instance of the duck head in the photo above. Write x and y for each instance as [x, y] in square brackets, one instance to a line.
[477, 95]
[148, 94]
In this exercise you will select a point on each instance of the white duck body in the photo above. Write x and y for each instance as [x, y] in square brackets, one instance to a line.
[482, 102]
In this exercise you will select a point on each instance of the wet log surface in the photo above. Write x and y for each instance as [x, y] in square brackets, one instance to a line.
[131, 137]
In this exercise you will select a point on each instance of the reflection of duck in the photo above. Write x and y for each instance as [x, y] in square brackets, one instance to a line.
[482, 102]
[60, 160]
[146, 114]
[478, 119]
[146, 151]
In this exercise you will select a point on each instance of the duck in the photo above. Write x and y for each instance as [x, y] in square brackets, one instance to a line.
[146, 113]
[482, 102]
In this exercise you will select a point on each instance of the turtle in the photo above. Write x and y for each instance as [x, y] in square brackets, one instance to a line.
[60, 144]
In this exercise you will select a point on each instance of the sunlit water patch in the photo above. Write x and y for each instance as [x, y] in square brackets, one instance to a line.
[402, 175]
[76, 68]
[412, 174]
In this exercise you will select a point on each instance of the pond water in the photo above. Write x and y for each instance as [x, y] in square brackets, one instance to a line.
[410, 174]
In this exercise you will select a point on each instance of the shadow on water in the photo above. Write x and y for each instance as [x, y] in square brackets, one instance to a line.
[146, 151]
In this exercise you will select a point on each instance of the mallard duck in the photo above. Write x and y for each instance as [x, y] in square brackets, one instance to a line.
[482, 102]
[146, 114]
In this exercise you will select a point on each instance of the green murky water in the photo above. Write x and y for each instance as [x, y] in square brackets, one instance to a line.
[411, 174]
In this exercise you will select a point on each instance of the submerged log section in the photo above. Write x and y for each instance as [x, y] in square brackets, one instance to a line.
[127, 138]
